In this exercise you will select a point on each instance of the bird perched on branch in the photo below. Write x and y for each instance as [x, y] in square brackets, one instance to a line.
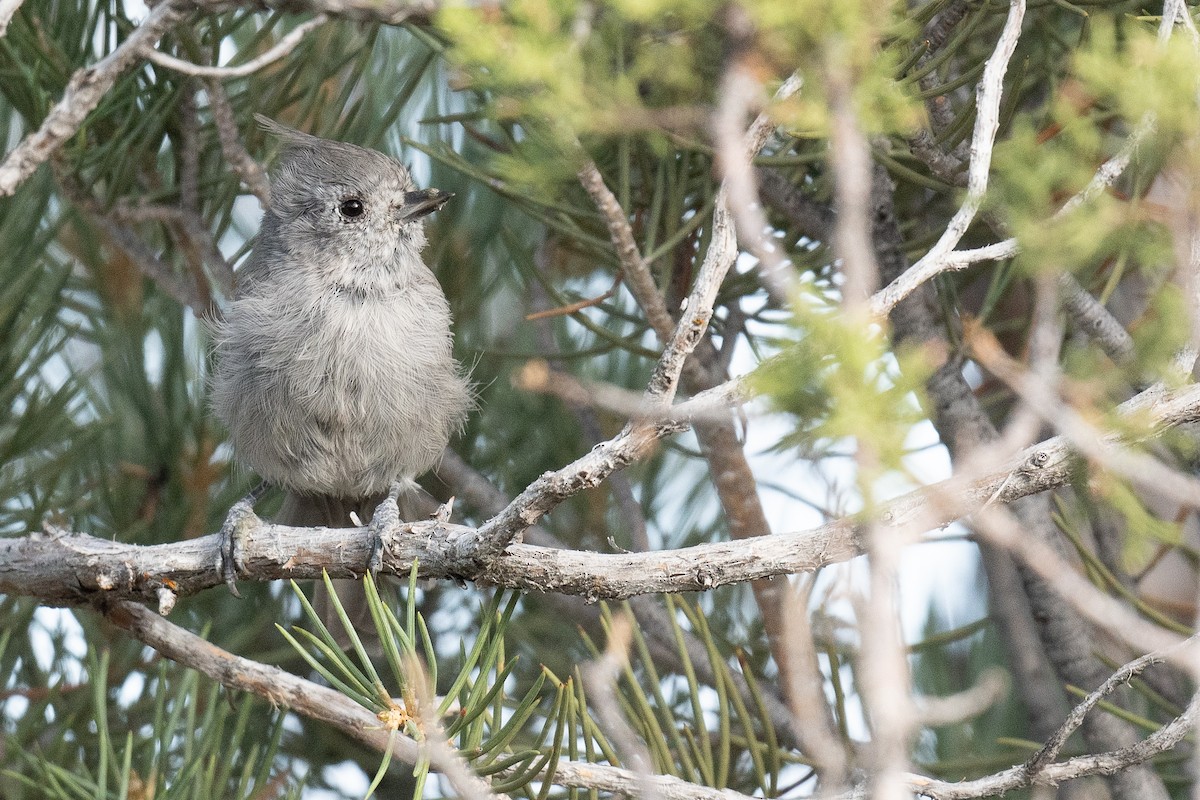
[335, 375]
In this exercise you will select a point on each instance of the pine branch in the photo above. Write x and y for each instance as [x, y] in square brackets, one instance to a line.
[59, 567]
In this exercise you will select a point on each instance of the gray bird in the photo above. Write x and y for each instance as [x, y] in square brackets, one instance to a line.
[334, 375]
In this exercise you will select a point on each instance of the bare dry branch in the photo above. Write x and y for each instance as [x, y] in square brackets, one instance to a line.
[987, 124]
[1090, 315]
[1142, 469]
[697, 307]
[174, 285]
[710, 405]
[1020, 777]
[59, 567]
[993, 684]
[739, 93]
[601, 676]
[800, 672]
[850, 157]
[278, 687]
[1051, 749]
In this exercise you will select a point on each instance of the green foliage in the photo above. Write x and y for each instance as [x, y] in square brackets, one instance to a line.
[41, 438]
[842, 385]
[197, 745]
[1132, 74]
[482, 727]
[515, 738]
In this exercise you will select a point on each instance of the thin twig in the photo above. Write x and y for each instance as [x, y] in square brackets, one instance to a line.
[284, 46]
[935, 263]
[804, 687]
[987, 124]
[739, 93]
[697, 307]
[711, 404]
[184, 291]
[195, 239]
[601, 677]
[580, 305]
[1018, 777]
[1054, 745]
[850, 158]
[992, 686]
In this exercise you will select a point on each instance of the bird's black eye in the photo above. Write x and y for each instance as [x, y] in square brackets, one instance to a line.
[351, 207]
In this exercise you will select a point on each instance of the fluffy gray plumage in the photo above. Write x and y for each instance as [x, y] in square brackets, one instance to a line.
[335, 375]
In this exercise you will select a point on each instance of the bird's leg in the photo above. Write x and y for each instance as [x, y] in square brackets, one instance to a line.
[386, 515]
[239, 512]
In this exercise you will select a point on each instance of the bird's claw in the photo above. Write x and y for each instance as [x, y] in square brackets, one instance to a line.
[386, 515]
[239, 514]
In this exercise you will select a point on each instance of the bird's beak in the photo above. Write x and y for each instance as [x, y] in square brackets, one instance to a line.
[421, 203]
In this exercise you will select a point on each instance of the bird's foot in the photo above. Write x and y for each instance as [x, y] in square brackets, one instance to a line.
[386, 515]
[239, 514]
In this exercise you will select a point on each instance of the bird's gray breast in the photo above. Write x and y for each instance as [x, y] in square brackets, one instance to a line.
[343, 394]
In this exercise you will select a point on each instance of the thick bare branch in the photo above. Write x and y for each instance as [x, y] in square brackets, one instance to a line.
[58, 567]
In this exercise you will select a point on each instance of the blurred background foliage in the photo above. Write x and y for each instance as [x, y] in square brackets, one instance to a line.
[103, 372]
